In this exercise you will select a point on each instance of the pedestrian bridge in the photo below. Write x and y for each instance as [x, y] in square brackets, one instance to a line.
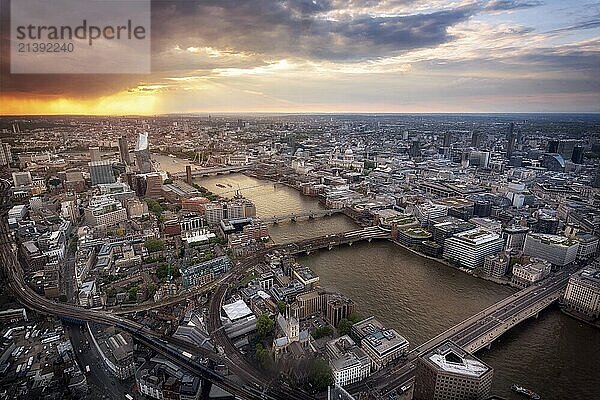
[197, 173]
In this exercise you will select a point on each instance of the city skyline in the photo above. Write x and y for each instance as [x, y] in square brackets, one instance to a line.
[334, 57]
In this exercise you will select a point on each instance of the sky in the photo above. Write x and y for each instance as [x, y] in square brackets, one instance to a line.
[341, 56]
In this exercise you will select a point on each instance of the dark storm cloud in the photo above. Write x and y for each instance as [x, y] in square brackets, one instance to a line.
[595, 23]
[507, 5]
[299, 28]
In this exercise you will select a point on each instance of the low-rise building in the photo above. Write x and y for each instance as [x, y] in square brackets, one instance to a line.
[238, 319]
[161, 379]
[115, 348]
[383, 345]
[349, 363]
[205, 272]
[583, 292]
[529, 272]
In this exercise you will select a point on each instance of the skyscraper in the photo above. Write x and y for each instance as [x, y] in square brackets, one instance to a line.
[511, 139]
[188, 174]
[142, 154]
[577, 156]
[101, 172]
[124, 150]
[415, 149]
[5, 154]
[476, 139]
[447, 139]
[95, 154]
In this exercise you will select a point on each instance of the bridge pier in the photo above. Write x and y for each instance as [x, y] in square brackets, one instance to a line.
[369, 240]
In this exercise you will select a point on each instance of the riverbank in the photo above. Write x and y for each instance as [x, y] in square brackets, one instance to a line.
[580, 317]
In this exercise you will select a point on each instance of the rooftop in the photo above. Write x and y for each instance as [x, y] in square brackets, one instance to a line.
[449, 357]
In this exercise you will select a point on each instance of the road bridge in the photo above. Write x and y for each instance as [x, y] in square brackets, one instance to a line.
[477, 331]
[330, 241]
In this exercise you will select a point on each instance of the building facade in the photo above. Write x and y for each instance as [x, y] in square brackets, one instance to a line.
[447, 372]
[470, 248]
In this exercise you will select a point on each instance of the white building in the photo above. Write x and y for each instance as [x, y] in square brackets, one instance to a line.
[104, 210]
[527, 274]
[470, 248]
[429, 211]
[239, 319]
[349, 363]
[583, 292]
[559, 250]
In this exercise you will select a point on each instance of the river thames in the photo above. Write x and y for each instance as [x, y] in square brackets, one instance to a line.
[554, 355]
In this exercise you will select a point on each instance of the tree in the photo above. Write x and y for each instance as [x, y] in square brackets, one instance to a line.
[320, 375]
[281, 306]
[154, 245]
[354, 318]
[132, 294]
[151, 289]
[344, 326]
[322, 331]
[264, 325]
[62, 298]
[155, 207]
[263, 358]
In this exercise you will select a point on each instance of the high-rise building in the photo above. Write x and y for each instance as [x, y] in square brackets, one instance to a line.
[447, 372]
[447, 139]
[470, 248]
[514, 237]
[476, 139]
[142, 154]
[577, 156]
[415, 149]
[188, 174]
[95, 154]
[5, 154]
[124, 150]
[583, 292]
[511, 140]
[553, 146]
[154, 185]
[496, 265]
[101, 172]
